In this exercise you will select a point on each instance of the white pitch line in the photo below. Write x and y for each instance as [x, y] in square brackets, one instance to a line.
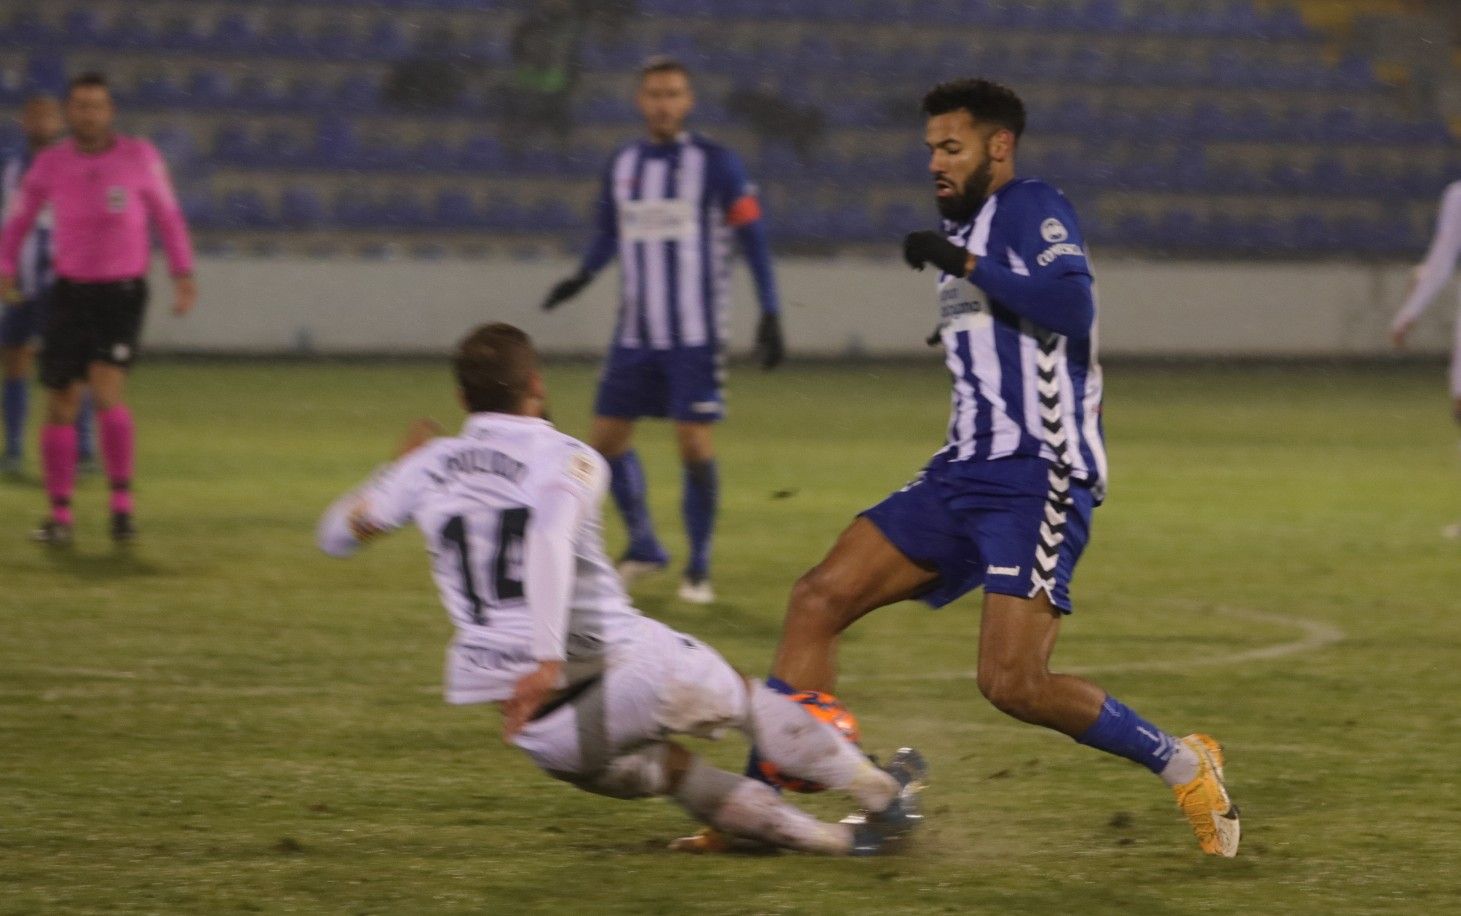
[1317, 635]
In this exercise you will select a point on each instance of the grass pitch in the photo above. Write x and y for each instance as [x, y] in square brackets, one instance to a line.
[221, 720]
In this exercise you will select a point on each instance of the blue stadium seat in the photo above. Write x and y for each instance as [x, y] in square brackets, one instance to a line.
[130, 33]
[82, 26]
[233, 33]
[28, 30]
[456, 209]
[482, 151]
[402, 209]
[45, 73]
[358, 93]
[502, 212]
[334, 40]
[183, 33]
[354, 209]
[157, 90]
[300, 207]
[283, 147]
[208, 88]
[386, 41]
[245, 209]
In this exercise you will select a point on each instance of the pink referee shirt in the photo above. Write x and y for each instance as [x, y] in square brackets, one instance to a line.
[101, 203]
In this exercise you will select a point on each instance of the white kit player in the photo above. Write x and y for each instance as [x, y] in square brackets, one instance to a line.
[1430, 277]
[589, 688]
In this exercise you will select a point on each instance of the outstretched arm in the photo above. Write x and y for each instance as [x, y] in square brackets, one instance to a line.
[1437, 268]
[381, 504]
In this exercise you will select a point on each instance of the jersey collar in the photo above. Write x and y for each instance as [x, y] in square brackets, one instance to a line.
[485, 421]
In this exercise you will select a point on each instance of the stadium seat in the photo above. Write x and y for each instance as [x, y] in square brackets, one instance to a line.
[300, 207]
[245, 209]
[456, 210]
[81, 26]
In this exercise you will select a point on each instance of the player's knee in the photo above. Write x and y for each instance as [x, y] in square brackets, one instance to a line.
[818, 605]
[1013, 692]
[638, 775]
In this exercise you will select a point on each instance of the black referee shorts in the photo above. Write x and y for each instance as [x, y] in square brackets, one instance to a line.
[90, 323]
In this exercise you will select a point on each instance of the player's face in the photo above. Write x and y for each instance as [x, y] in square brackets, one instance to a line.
[89, 113]
[665, 101]
[962, 157]
[41, 121]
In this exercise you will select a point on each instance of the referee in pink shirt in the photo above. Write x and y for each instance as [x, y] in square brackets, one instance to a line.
[103, 188]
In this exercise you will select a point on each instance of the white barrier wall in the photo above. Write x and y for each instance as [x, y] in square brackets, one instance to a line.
[832, 307]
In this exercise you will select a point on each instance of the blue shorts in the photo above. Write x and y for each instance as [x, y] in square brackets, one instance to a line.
[996, 524]
[23, 324]
[682, 384]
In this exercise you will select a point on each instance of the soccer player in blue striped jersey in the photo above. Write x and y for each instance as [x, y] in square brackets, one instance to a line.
[669, 204]
[1006, 504]
[23, 320]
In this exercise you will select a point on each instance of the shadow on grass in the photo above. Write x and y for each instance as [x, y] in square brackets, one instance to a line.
[119, 562]
[709, 622]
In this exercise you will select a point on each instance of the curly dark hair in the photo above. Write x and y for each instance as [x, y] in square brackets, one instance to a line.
[986, 101]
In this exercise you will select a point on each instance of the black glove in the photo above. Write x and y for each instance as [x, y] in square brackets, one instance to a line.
[770, 348]
[929, 247]
[564, 290]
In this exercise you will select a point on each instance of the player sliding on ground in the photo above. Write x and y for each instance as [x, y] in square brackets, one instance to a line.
[1007, 503]
[588, 687]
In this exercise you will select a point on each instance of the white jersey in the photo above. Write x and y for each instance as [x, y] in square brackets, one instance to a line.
[1436, 271]
[508, 499]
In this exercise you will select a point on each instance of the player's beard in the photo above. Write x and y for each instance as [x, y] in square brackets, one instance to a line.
[962, 207]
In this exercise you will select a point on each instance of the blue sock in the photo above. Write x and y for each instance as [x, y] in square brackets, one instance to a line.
[778, 685]
[698, 508]
[85, 439]
[1120, 731]
[631, 490]
[16, 403]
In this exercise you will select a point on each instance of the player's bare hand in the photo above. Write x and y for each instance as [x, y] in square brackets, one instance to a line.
[528, 696]
[184, 295]
[418, 432]
[9, 292]
[1398, 333]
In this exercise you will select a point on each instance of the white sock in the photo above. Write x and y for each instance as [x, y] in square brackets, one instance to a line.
[747, 808]
[1183, 766]
[802, 746]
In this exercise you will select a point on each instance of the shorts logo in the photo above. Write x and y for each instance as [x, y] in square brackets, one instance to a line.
[1002, 571]
[705, 407]
[116, 199]
[120, 352]
[1053, 231]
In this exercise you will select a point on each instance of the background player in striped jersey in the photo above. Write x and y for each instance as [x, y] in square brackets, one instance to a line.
[667, 207]
[23, 320]
[1007, 503]
[103, 189]
[589, 688]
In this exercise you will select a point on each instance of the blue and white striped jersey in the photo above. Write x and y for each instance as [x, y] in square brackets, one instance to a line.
[37, 263]
[1020, 388]
[667, 210]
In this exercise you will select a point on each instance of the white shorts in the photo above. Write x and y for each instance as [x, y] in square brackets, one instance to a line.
[657, 684]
